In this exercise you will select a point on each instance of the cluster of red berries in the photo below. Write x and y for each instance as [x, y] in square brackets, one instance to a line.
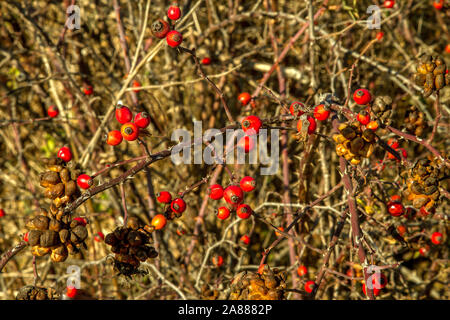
[84, 181]
[161, 28]
[130, 128]
[378, 283]
[234, 195]
[174, 208]
[393, 143]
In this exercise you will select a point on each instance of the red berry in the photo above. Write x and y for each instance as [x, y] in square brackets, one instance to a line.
[363, 117]
[233, 195]
[396, 209]
[88, 90]
[181, 231]
[160, 28]
[436, 238]
[379, 282]
[114, 138]
[25, 237]
[2, 213]
[376, 292]
[362, 96]
[424, 212]
[321, 112]
[65, 154]
[216, 192]
[84, 181]
[309, 286]
[251, 125]
[247, 184]
[52, 111]
[206, 61]
[123, 114]
[71, 292]
[142, 120]
[159, 221]
[278, 234]
[244, 211]
[99, 237]
[217, 261]
[438, 4]
[174, 38]
[447, 49]
[81, 221]
[424, 251]
[130, 131]
[404, 153]
[389, 4]
[245, 239]
[296, 108]
[302, 270]
[178, 205]
[401, 229]
[244, 98]
[222, 213]
[246, 143]
[393, 143]
[380, 35]
[164, 197]
[312, 125]
[136, 85]
[373, 125]
[174, 13]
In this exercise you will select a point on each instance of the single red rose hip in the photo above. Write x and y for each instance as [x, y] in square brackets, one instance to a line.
[321, 112]
[206, 61]
[244, 98]
[309, 286]
[436, 238]
[2, 213]
[311, 127]
[246, 143]
[84, 181]
[245, 239]
[302, 270]
[123, 114]
[174, 12]
[164, 197]
[247, 184]
[114, 138]
[88, 90]
[52, 111]
[99, 237]
[130, 131]
[363, 117]
[136, 85]
[244, 211]
[160, 28]
[222, 213]
[396, 209]
[174, 38]
[389, 4]
[25, 237]
[71, 292]
[251, 125]
[65, 154]
[216, 192]
[178, 205]
[362, 96]
[296, 108]
[438, 4]
[142, 120]
[233, 195]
